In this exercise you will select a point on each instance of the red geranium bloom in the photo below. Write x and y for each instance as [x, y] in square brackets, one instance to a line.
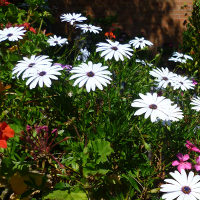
[32, 30]
[4, 3]
[110, 35]
[5, 133]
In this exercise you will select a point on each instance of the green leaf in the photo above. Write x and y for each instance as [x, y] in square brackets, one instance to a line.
[130, 177]
[65, 195]
[103, 149]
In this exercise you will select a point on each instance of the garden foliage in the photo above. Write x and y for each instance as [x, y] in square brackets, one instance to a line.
[80, 138]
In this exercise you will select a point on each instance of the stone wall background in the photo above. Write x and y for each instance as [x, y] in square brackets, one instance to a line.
[161, 21]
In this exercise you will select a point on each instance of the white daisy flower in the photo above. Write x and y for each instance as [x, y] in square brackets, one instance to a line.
[174, 113]
[114, 49]
[182, 187]
[163, 75]
[143, 62]
[54, 40]
[92, 75]
[72, 18]
[84, 55]
[28, 65]
[152, 105]
[182, 82]
[140, 43]
[12, 33]
[88, 28]
[179, 57]
[43, 75]
[196, 103]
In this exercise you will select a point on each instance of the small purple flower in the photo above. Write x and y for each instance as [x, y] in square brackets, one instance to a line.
[67, 67]
[194, 82]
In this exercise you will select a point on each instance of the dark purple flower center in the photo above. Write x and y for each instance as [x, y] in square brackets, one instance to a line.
[42, 73]
[31, 64]
[186, 190]
[114, 48]
[9, 35]
[90, 74]
[153, 106]
[181, 83]
[56, 42]
[165, 78]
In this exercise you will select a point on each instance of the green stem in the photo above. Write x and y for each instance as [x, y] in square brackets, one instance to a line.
[41, 22]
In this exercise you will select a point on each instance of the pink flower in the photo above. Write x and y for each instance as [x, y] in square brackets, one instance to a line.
[197, 166]
[181, 163]
[194, 82]
[192, 147]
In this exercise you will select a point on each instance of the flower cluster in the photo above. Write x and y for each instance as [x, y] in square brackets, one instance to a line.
[182, 164]
[180, 57]
[164, 77]
[157, 107]
[182, 186]
[5, 133]
[41, 143]
[38, 70]
[4, 3]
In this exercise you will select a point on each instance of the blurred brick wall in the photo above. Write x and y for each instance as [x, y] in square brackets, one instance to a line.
[160, 21]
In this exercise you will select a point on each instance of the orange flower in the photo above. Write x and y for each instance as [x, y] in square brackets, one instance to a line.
[110, 35]
[5, 133]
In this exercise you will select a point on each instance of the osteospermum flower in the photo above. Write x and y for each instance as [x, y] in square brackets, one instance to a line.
[72, 18]
[163, 75]
[175, 113]
[143, 62]
[180, 57]
[54, 40]
[42, 76]
[182, 187]
[88, 28]
[182, 82]
[114, 49]
[29, 65]
[181, 163]
[84, 55]
[153, 106]
[196, 103]
[140, 43]
[12, 33]
[93, 75]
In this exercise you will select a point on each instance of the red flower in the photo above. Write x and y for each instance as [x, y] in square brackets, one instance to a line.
[5, 133]
[4, 3]
[25, 25]
[32, 30]
[110, 35]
